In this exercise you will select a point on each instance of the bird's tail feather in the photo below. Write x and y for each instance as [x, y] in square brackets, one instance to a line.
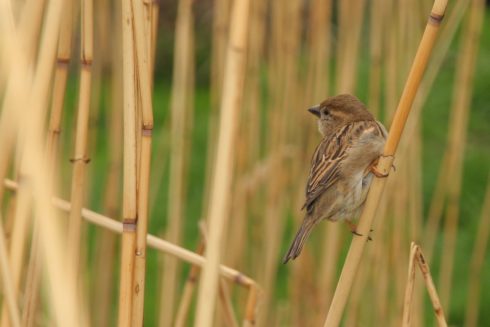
[299, 240]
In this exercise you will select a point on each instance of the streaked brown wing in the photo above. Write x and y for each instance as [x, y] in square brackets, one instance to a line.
[328, 156]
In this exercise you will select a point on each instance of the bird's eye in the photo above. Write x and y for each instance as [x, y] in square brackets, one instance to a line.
[326, 112]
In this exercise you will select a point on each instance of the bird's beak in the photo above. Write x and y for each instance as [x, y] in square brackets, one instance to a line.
[315, 110]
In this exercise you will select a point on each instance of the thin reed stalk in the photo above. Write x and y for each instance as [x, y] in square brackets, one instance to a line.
[448, 31]
[27, 35]
[385, 163]
[438, 200]
[223, 292]
[416, 256]
[375, 54]
[61, 287]
[18, 81]
[229, 316]
[407, 303]
[251, 309]
[143, 44]
[59, 89]
[80, 158]
[436, 209]
[190, 285]
[182, 104]
[32, 283]
[220, 192]
[106, 240]
[7, 285]
[221, 18]
[284, 74]
[431, 289]
[477, 261]
[129, 211]
[351, 20]
[463, 85]
[220, 37]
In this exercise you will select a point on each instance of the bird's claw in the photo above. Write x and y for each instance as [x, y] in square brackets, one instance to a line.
[377, 173]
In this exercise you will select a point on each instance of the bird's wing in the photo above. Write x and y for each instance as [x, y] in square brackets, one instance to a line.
[327, 160]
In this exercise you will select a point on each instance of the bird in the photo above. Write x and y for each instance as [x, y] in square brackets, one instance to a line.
[342, 166]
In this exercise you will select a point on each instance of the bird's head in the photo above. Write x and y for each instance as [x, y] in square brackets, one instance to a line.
[338, 111]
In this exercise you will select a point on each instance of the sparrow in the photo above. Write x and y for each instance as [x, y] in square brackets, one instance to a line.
[342, 166]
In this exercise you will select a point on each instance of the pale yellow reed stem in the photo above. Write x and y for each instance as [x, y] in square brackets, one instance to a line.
[54, 130]
[416, 256]
[251, 308]
[182, 103]
[27, 36]
[465, 70]
[431, 289]
[407, 303]
[476, 265]
[61, 289]
[7, 285]
[145, 98]
[129, 212]
[80, 159]
[220, 192]
[190, 284]
[106, 256]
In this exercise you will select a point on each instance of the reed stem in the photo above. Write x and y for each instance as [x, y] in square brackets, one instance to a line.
[80, 159]
[129, 168]
[220, 193]
[476, 265]
[143, 46]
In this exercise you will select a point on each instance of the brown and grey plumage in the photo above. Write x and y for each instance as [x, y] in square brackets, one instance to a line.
[342, 165]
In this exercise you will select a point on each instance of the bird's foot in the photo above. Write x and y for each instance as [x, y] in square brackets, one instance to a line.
[376, 172]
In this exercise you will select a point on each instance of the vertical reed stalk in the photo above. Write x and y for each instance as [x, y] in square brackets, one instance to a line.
[220, 193]
[351, 20]
[59, 89]
[465, 70]
[144, 84]
[80, 158]
[431, 289]
[476, 265]
[439, 195]
[407, 303]
[9, 299]
[182, 103]
[448, 32]
[417, 256]
[61, 287]
[284, 100]
[250, 311]
[27, 34]
[221, 17]
[129, 168]
[385, 163]
[190, 284]
[106, 240]
[375, 55]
